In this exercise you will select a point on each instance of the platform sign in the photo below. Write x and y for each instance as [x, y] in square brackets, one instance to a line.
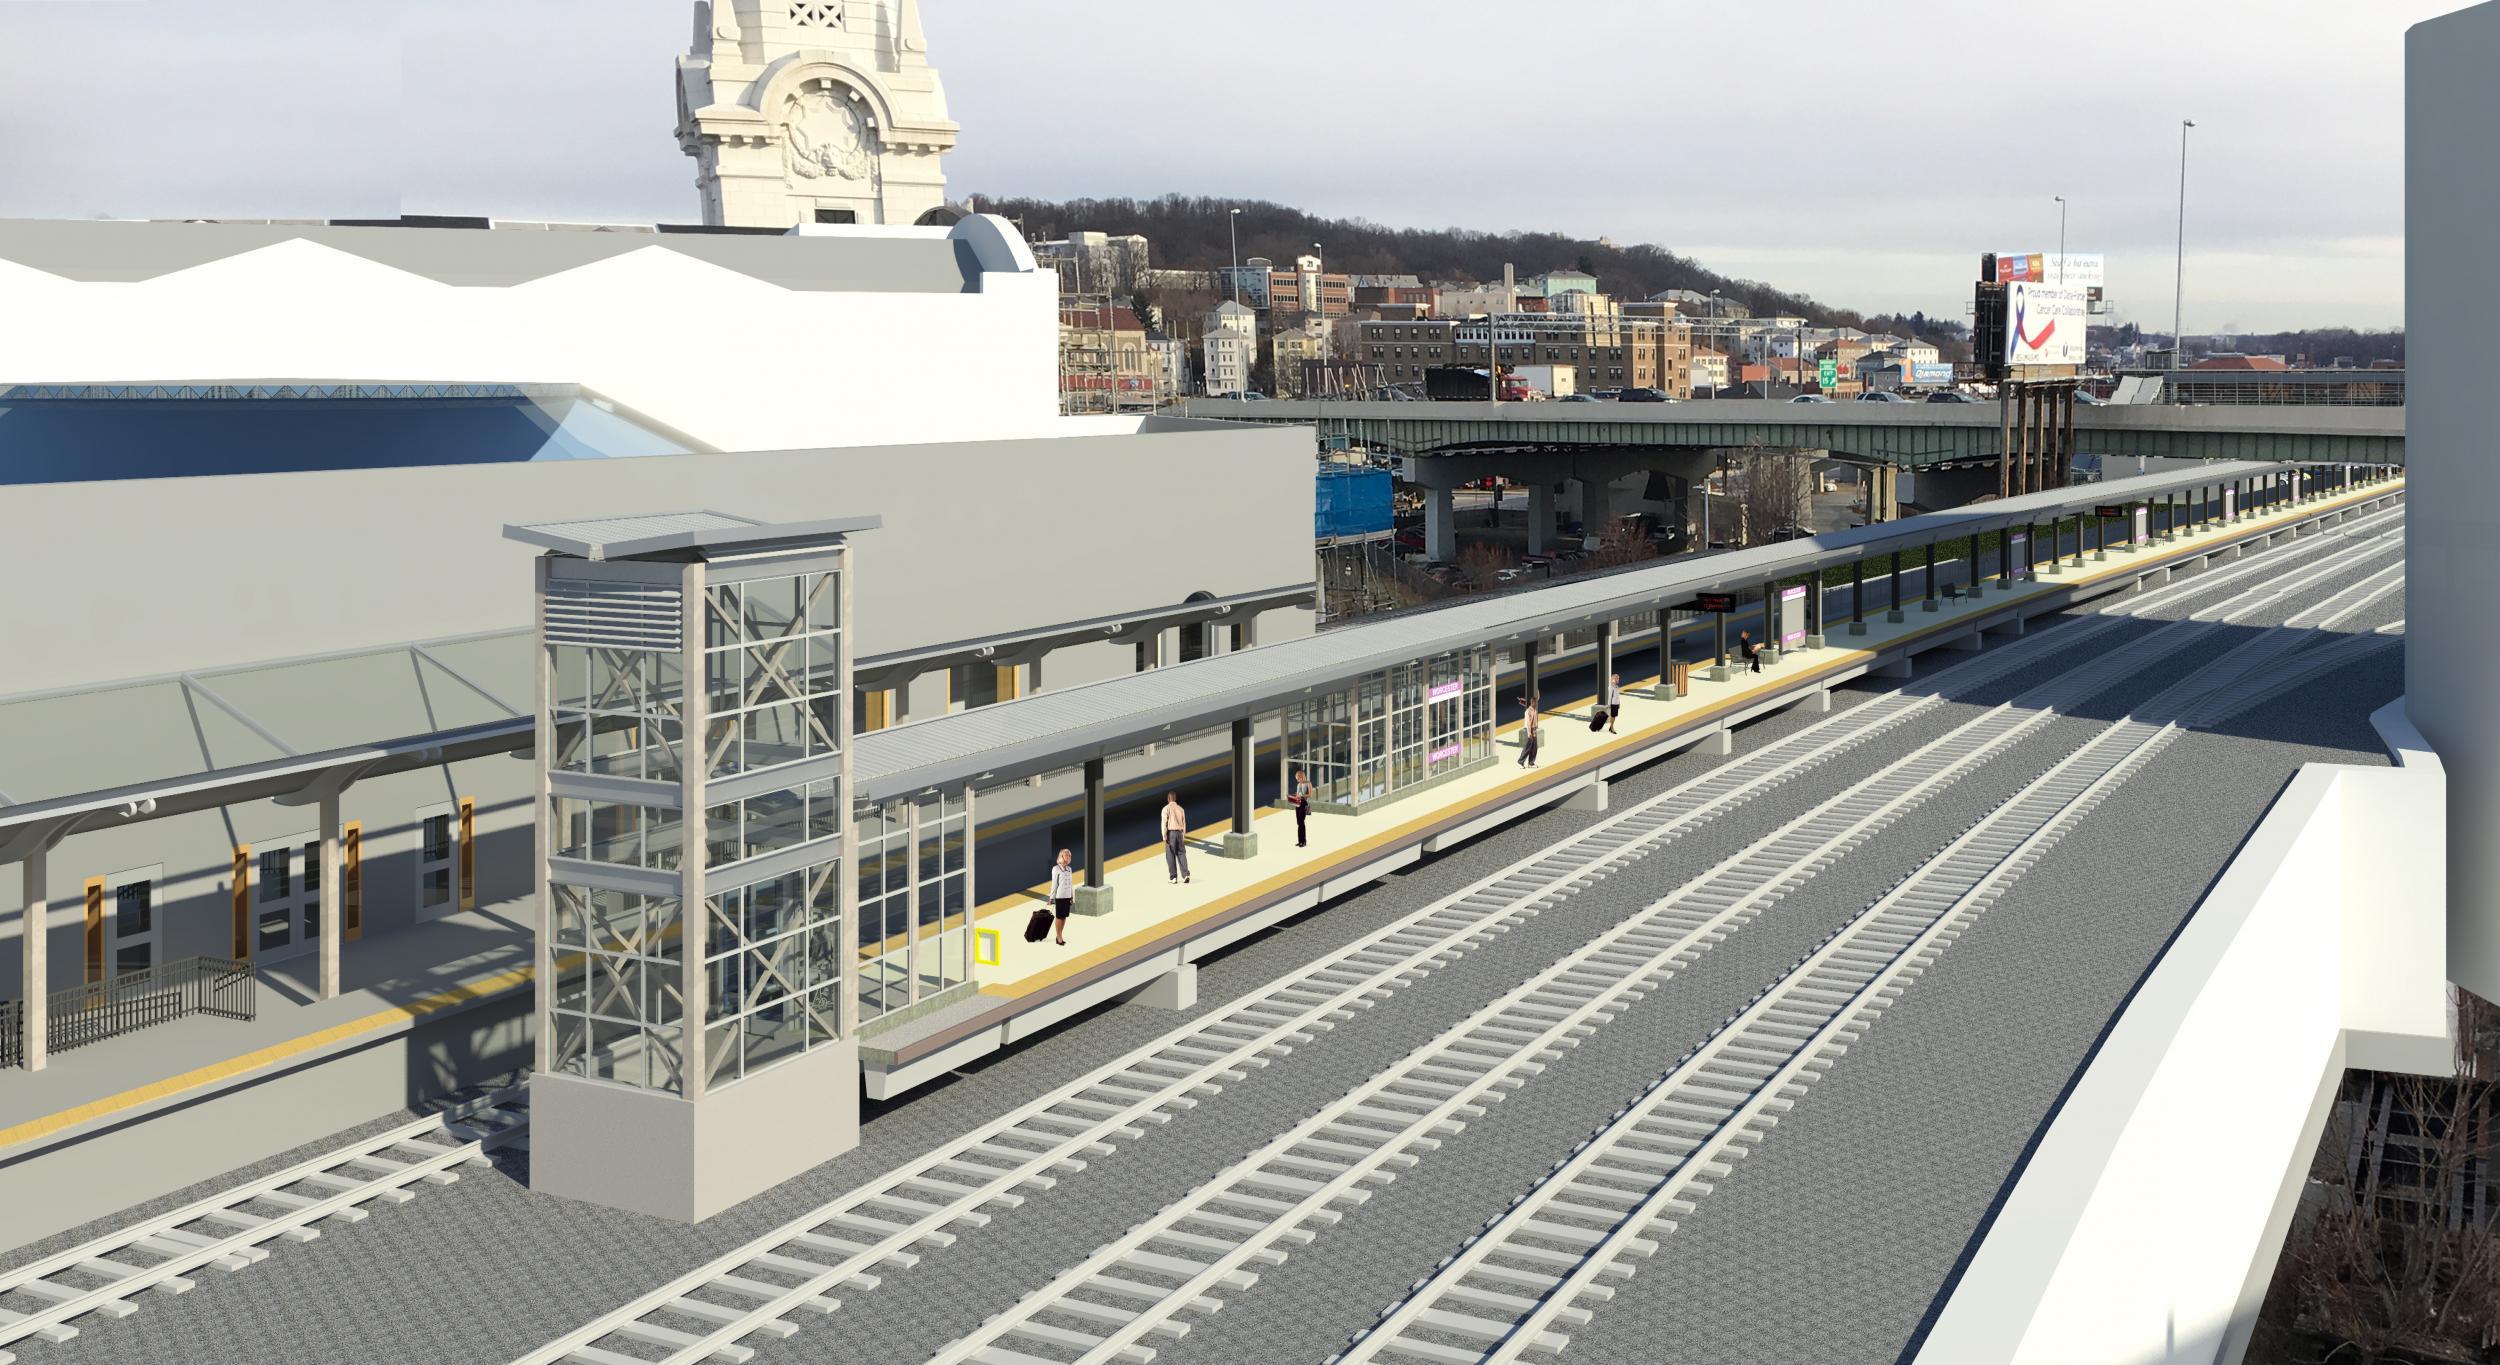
[1712, 601]
[1827, 371]
[2017, 565]
[2143, 526]
[2109, 511]
[1793, 616]
[2230, 503]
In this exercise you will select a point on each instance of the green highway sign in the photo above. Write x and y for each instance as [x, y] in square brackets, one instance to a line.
[1830, 371]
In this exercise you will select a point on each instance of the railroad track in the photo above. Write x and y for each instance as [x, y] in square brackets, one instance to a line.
[231, 1230]
[1289, 1191]
[1547, 1263]
[798, 1268]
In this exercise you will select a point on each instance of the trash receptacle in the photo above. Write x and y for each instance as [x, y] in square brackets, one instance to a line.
[1680, 677]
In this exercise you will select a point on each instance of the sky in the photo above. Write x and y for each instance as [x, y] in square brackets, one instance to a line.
[1864, 154]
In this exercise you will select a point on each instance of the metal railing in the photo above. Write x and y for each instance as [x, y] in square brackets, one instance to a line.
[90, 1013]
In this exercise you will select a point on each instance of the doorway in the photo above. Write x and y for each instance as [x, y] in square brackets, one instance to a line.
[131, 937]
[286, 906]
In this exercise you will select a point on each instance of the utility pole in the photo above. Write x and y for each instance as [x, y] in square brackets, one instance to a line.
[2178, 338]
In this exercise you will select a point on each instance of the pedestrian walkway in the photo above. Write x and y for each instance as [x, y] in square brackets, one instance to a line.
[1148, 909]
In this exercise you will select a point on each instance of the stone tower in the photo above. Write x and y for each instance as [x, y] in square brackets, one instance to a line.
[813, 111]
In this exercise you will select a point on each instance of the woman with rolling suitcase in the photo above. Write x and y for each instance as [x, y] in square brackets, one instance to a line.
[1062, 898]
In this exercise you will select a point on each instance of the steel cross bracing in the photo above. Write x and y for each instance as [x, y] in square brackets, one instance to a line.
[752, 1289]
[228, 1230]
[1601, 1210]
[1286, 1193]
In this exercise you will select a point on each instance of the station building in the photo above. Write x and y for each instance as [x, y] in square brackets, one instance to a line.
[259, 478]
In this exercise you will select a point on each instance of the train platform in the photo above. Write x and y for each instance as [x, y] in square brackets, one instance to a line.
[1144, 945]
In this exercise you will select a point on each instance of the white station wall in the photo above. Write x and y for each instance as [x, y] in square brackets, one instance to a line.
[2452, 522]
[737, 362]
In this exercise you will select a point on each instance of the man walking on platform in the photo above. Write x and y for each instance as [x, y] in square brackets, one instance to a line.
[1175, 839]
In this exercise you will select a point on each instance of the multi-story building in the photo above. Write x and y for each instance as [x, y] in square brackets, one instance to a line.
[1692, 303]
[1708, 370]
[1555, 283]
[1231, 346]
[1098, 262]
[1307, 340]
[1169, 358]
[1104, 363]
[1392, 291]
[1246, 284]
[1308, 289]
[1604, 351]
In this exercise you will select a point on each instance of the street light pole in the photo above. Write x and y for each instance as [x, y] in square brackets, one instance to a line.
[2178, 338]
[2061, 240]
[1232, 228]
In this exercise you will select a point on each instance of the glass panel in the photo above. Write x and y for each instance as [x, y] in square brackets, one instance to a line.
[723, 835]
[824, 732]
[771, 605]
[134, 909]
[769, 671]
[772, 1035]
[824, 604]
[664, 929]
[720, 1052]
[616, 679]
[664, 997]
[568, 677]
[720, 743]
[773, 737]
[720, 617]
[775, 820]
[824, 810]
[724, 680]
[666, 1065]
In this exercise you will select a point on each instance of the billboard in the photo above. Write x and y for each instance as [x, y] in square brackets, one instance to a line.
[2043, 324]
[1934, 375]
[2072, 270]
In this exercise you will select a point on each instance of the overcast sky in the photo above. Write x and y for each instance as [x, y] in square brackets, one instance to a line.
[1863, 153]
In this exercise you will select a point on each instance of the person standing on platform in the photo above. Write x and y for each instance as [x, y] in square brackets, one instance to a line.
[1613, 700]
[1063, 891]
[1527, 731]
[1175, 839]
[1300, 796]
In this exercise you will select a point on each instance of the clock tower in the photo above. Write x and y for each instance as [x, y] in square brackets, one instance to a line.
[813, 111]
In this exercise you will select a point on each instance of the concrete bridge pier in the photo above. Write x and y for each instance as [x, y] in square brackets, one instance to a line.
[1540, 517]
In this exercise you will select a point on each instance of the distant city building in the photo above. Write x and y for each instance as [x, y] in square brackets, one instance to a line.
[1375, 291]
[1307, 340]
[1557, 282]
[1709, 369]
[814, 113]
[1602, 351]
[1231, 346]
[1308, 289]
[1695, 304]
[1169, 357]
[1247, 283]
[1098, 262]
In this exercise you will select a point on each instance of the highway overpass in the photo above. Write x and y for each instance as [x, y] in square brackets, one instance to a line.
[1910, 436]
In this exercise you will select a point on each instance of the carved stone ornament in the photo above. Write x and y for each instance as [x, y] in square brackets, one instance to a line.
[828, 134]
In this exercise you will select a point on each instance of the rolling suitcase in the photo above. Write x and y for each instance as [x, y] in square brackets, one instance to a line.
[1038, 928]
[1598, 721]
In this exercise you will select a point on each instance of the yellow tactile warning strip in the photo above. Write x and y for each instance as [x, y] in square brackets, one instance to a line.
[211, 1074]
[1843, 658]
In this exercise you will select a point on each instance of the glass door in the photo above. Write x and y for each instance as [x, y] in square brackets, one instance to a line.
[437, 890]
[133, 938]
[287, 898]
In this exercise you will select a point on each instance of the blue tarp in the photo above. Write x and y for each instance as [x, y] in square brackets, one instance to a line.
[1352, 502]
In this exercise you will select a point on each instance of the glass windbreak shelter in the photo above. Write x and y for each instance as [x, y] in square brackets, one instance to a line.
[1394, 731]
[915, 921]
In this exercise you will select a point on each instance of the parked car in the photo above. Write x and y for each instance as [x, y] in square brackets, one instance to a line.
[1608, 395]
[1408, 540]
[1577, 398]
[1881, 396]
[1950, 396]
[1643, 396]
[2089, 401]
[1810, 398]
[1791, 533]
[1255, 396]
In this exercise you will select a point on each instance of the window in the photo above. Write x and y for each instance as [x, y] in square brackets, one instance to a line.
[275, 882]
[772, 672]
[434, 862]
[837, 215]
